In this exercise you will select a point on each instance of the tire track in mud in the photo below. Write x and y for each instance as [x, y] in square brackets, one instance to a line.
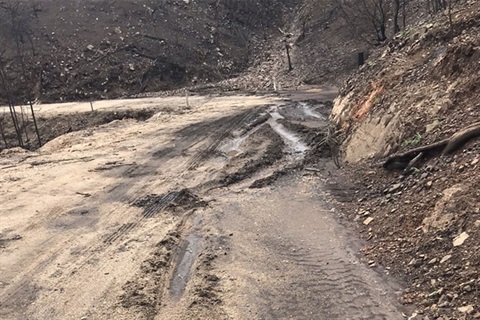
[222, 133]
[219, 135]
[329, 281]
[151, 211]
[88, 254]
[295, 261]
[9, 296]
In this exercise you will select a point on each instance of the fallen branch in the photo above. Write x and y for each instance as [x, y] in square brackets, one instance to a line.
[402, 160]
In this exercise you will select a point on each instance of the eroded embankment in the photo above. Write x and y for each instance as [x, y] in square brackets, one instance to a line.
[412, 144]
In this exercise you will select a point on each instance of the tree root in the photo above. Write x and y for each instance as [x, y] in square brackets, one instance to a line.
[462, 137]
[401, 161]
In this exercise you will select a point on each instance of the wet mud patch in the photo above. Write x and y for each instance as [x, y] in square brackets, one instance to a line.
[308, 134]
[313, 131]
[227, 128]
[187, 252]
[223, 125]
[272, 153]
[261, 118]
[5, 240]
[206, 292]
[144, 293]
[176, 202]
[204, 296]
[186, 200]
[264, 182]
[304, 111]
[153, 204]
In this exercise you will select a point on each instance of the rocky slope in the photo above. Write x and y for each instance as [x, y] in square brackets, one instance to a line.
[422, 224]
[96, 49]
[78, 50]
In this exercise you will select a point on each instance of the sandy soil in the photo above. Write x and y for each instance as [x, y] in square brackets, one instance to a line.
[155, 220]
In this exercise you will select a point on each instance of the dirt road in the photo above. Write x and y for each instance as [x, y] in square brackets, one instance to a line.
[158, 220]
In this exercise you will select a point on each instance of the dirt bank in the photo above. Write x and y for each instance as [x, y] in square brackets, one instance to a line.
[419, 213]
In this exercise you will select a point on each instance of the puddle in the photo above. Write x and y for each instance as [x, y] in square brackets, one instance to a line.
[233, 146]
[293, 141]
[188, 252]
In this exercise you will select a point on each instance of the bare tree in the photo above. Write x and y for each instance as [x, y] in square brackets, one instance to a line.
[367, 18]
[435, 6]
[11, 106]
[396, 12]
[2, 131]
[450, 5]
[16, 37]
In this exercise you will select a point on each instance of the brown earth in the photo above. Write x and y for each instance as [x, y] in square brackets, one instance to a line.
[421, 225]
[222, 207]
[161, 215]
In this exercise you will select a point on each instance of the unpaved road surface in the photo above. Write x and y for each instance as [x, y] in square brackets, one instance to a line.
[158, 220]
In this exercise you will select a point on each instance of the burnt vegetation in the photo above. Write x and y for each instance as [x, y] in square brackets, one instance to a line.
[375, 21]
[88, 50]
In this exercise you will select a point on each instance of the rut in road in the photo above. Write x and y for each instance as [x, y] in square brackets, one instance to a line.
[292, 260]
[228, 126]
[134, 187]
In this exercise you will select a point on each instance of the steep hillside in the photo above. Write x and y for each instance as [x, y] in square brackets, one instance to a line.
[75, 50]
[80, 50]
[411, 121]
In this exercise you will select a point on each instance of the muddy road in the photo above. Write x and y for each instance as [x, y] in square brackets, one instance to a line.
[200, 212]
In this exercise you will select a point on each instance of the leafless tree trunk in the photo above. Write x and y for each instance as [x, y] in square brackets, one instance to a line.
[450, 18]
[18, 31]
[11, 108]
[361, 13]
[24, 124]
[2, 132]
[35, 124]
[381, 17]
[287, 48]
[396, 13]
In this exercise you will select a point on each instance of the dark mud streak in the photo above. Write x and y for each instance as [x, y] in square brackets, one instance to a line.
[273, 153]
[187, 254]
[229, 124]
